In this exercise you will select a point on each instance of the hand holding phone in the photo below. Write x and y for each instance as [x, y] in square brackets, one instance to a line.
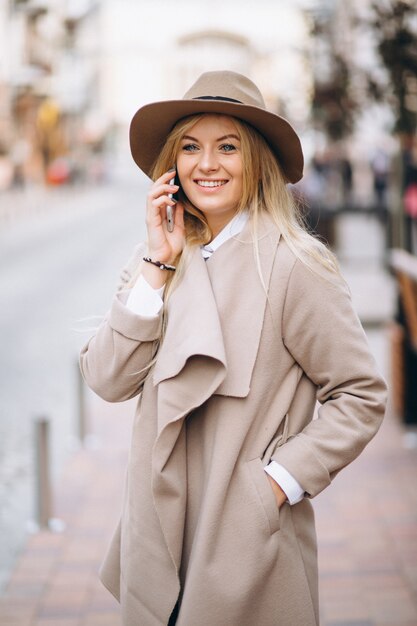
[166, 236]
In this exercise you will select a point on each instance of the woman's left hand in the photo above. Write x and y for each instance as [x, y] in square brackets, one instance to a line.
[280, 495]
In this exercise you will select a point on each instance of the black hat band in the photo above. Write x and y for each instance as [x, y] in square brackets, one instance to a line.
[217, 98]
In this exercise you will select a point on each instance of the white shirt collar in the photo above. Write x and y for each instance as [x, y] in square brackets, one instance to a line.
[232, 228]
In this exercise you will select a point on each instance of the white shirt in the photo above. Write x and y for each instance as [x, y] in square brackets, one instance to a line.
[146, 301]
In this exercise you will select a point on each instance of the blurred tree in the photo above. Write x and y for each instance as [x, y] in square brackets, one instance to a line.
[336, 102]
[394, 25]
[333, 103]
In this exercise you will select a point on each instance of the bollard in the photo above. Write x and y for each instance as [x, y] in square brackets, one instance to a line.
[43, 475]
[82, 414]
[43, 490]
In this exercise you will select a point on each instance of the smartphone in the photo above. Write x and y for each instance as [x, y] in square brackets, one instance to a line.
[170, 209]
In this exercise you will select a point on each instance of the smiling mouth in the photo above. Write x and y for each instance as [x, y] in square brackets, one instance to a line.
[210, 183]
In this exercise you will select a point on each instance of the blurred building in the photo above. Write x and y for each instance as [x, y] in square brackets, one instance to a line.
[73, 72]
[154, 50]
[49, 52]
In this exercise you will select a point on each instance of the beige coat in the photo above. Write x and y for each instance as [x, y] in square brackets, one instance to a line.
[234, 386]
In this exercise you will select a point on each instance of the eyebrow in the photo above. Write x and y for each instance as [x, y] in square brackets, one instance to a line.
[219, 139]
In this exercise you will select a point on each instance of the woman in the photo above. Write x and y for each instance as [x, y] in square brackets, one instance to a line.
[230, 327]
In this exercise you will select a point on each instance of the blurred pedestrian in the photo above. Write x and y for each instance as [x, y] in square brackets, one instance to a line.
[410, 193]
[346, 173]
[314, 183]
[229, 324]
[19, 155]
[380, 170]
[51, 141]
[6, 169]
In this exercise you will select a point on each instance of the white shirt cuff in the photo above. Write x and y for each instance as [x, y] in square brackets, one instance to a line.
[144, 300]
[287, 482]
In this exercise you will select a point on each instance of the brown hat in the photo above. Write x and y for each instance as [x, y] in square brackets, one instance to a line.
[216, 92]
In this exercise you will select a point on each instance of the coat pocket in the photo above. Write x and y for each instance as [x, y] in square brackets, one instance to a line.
[265, 494]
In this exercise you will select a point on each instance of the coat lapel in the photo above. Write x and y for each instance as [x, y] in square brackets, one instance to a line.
[190, 366]
[241, 300]
[218, 308]
[193, 323]
[215, 319]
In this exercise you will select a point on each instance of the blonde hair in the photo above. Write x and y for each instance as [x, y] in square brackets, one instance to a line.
[264, 190]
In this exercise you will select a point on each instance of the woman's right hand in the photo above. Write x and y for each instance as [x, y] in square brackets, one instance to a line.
[164, 246]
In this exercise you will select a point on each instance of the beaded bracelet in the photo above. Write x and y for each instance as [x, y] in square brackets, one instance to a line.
[162, 266]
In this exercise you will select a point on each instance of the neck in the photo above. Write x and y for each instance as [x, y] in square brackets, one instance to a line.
[218, 222]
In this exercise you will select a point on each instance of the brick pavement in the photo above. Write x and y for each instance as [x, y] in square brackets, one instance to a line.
[366, 522]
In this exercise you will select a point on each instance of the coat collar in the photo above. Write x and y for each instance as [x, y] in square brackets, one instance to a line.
[217, 312]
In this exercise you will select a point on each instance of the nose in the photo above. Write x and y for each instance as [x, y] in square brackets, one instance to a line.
[208, 161]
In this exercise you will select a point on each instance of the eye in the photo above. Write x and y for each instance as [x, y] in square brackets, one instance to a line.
[190, 147]
[228, 147]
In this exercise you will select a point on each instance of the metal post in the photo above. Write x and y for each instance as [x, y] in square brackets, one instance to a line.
[82, 416]
[43, 477]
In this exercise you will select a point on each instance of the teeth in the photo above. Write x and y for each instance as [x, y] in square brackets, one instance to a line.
[211, 183]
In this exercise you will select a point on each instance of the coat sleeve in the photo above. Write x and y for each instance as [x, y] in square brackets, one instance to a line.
[114, 361]
[323, 334]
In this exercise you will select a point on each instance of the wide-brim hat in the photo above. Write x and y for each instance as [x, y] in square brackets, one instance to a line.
[223, 92]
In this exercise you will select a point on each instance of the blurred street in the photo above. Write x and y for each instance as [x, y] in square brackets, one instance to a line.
[59, 263]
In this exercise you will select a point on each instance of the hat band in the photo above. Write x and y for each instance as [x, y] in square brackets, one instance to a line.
[217, 98]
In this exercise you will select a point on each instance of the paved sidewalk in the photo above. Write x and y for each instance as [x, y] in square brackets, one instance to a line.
[367, 532]
[366, 523]
[54, 582]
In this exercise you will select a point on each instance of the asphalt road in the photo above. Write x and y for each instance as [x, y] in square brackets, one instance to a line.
[59, 264]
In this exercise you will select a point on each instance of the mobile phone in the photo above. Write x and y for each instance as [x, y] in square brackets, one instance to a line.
[170, 209]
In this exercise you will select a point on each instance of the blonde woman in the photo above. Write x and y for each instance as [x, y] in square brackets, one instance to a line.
[229, 327]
